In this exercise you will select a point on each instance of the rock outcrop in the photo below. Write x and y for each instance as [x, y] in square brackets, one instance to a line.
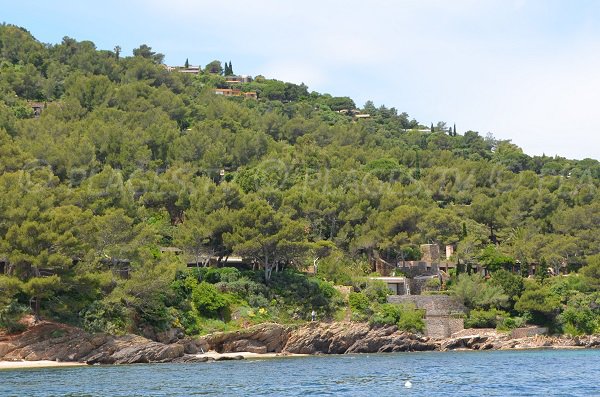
[315, 338]
[263, 338]
[59, 342]
[474, 339]
[340, 338]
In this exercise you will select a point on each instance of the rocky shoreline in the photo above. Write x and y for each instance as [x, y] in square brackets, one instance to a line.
[53, 342]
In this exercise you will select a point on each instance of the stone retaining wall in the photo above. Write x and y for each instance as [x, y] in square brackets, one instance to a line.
[443, 313]
[525, 332]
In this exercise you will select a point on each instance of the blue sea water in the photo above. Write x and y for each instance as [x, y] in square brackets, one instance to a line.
[498, 373]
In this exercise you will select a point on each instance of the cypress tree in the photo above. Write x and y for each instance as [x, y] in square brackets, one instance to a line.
[432, 127]
[454, 133]
[187, 64]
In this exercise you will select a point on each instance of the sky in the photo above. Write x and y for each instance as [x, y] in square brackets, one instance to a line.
[524, 70]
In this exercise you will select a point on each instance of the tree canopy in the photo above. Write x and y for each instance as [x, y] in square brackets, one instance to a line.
[127, 157]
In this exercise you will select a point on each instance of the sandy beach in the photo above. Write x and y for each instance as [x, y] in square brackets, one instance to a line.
[37, 364]
[211, 354]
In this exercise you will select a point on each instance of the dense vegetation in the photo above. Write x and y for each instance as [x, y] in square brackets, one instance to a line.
[128, 157]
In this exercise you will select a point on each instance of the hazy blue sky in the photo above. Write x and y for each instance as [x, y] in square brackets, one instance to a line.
[523, 70]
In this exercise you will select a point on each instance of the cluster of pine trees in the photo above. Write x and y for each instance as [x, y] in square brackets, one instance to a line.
[127, 157]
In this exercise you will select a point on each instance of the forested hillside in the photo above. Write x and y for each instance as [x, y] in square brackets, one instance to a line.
[127, 157]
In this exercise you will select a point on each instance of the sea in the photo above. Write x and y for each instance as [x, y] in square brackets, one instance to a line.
[493, 373]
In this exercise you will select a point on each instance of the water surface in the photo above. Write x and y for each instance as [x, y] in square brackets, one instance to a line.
[498, 373]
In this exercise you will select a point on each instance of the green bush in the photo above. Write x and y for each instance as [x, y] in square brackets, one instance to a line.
[387, 314]
[411, 319]
[229, 274]
[10, 316]
[540, 301]
[110, 317]
[336, 268]
[511, 284]
[212, 275]
[208, 300]
[479, 318]
[377, 291]
[190, 321]
[243, 288]
[433, 285]
[358, 302]
[303, 294]
[476, 293]
[359, 305]
[578, 321]
[509, 323]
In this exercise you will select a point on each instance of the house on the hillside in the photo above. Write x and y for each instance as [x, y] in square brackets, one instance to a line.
[120, 267]
[397, 285]
[233, 79]
[355, 113]
[171, 250]
[37, 108]
[429, 264]
[227, 261]
[190, 70]
[228, 92]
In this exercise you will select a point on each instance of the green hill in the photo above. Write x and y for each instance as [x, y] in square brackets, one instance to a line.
[106, 158]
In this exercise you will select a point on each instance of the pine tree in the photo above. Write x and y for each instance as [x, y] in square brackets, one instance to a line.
[417, 173]
[187, 64]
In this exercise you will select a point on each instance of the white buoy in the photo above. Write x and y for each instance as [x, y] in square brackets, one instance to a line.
[408, 384]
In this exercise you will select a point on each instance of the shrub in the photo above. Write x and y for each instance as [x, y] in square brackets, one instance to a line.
[208, 300]
[406, 317]
[479, 318]
[540, 301]
[253, 292]
[190, 321]
[336, 268]
[387, 314]
[578, 321]
[303, 293]
[476, 293]
[377, 291]
[411, 319]
[229, 274]
[10, 316]
[212, 276]
[511, 284]
[509, 323]
[433, 285]
[359, 305]
[104, 316]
